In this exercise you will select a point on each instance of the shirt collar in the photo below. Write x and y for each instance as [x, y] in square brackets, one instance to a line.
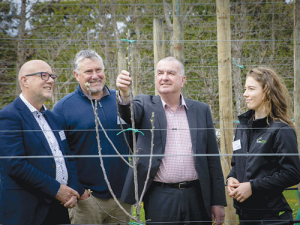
[182, 102]
[105, 93]
[31, 107]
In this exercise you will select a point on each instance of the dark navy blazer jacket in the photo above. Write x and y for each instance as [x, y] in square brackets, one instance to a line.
[28, 185]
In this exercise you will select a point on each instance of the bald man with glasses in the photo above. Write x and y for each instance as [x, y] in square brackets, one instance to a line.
[38, 184]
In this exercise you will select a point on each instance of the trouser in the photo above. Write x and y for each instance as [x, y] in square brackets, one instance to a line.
[57, 214]
[284, 219]
[94, 210]
[167, 205]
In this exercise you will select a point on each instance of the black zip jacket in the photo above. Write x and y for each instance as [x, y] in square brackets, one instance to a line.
[268, 175]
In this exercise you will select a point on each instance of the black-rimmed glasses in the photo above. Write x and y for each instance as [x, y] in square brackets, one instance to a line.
[44, 75]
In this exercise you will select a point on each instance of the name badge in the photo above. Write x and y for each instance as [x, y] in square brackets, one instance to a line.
[118, 120]
[62, 135]
[236, 145]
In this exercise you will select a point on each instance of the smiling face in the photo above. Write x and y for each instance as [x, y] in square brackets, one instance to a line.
[91, 71]
[34, 89]
[168, 77]
[254, 96]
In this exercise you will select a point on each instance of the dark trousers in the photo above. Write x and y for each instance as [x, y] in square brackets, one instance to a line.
[284, 219]
[165, 205]
[57, 214]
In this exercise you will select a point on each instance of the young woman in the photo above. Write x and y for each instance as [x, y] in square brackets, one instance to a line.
[265, 136]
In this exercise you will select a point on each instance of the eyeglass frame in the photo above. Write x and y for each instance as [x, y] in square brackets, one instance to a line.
[53, 76]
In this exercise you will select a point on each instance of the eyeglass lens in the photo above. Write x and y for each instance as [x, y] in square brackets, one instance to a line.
[45, 76]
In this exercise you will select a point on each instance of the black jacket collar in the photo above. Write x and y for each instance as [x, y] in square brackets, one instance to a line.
[247, 119]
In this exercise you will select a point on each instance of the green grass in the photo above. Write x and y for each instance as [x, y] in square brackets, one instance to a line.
[292, 199]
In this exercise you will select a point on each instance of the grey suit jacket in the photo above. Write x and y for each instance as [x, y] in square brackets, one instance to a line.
[203, 142]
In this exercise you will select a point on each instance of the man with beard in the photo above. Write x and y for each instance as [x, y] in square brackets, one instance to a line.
[76, 113]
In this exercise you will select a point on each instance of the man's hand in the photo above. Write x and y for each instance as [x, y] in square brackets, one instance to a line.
[72, 202]
[242, 191]
[65, 193]
[123, 83]
[217, 214]
[85, 195]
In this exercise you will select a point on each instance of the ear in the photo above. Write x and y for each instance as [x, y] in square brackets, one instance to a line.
[183, 81]
[76, 75]
[24, 81]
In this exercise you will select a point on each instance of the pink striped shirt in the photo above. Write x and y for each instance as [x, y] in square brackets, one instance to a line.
[176, 168]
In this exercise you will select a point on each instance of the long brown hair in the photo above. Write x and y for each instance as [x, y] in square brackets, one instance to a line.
[277, 100]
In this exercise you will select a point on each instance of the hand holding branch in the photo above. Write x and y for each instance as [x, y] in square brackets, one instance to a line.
[218, 214]
[123, 83]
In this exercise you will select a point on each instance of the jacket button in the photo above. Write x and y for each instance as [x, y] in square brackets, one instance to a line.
[53, 166]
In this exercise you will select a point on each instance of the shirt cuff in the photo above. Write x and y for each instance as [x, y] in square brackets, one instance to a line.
[124, 100]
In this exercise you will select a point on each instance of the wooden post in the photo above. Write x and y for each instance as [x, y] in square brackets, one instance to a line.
[134, 69]
[178, 33]
[158, 42]
[297, 71]
[225, 96]
[122, 64]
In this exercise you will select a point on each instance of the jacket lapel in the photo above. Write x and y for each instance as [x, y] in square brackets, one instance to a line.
[31, 121]
[160, 117]
[192, 120]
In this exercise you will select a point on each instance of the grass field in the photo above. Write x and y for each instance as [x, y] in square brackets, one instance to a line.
[291, 197]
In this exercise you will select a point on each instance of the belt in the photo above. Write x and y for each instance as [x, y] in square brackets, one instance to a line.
[179, 185]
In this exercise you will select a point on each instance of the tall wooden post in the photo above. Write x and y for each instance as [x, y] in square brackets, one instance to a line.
[134, 70]
[225, 95]
[297, 71]
[178, 32]
[158, 42]
[122, 65]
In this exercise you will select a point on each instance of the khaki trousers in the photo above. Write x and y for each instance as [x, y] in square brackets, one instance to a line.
[91, 211]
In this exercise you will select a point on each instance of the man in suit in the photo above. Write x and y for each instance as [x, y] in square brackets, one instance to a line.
[38, 184]
[183, 187]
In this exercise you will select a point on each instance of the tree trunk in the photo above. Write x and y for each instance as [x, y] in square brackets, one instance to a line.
[21, 44]
[169, 26]
[178, 33]
[159, 43]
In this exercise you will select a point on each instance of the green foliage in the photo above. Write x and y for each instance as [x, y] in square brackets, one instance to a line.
[7, 54]
[261, 35]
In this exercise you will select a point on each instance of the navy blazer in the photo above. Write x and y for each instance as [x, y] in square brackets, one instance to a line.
[203, 142]
[28, 185]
